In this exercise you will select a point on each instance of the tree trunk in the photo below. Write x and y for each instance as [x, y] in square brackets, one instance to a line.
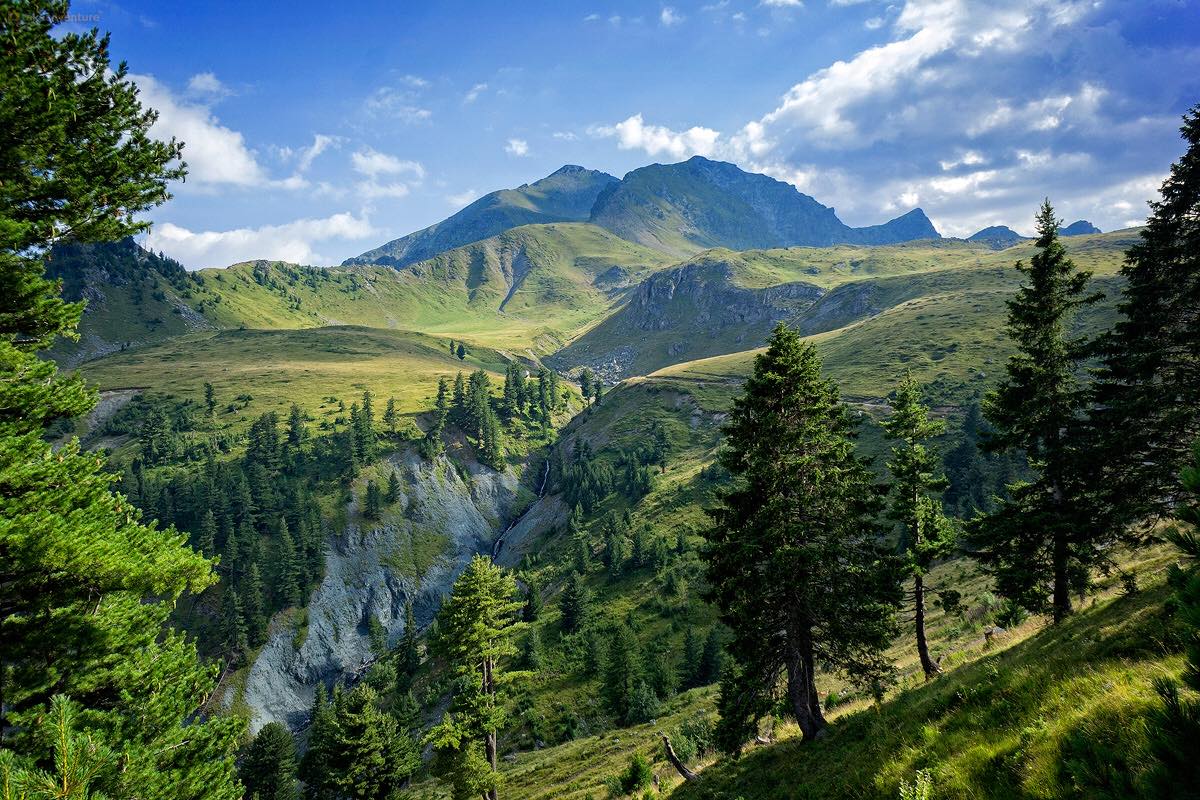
[1062, 589]
[927, 664]
[489, 739]
[679, 766]
[802, 686]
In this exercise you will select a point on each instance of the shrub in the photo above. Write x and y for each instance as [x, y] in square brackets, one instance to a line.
[638, 775]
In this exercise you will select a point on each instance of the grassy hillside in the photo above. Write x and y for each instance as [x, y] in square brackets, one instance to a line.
[937, 307]
[255, 371]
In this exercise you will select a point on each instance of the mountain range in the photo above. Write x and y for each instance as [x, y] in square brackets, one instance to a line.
[678, 209]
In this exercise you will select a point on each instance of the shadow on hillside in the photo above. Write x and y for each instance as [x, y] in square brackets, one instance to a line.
[1060, 714]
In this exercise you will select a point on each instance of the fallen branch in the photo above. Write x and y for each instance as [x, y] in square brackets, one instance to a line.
[679, 766]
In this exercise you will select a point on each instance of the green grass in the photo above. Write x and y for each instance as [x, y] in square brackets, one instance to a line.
[281, 367]
[1059, 714]
[960, 289]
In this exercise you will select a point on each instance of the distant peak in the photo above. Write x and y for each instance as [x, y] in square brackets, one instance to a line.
[1078, 228]
[569, 169]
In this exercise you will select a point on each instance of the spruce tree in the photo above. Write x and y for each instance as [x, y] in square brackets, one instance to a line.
[210, 402]
[390, 415]
[87, 586]
[476, 625]
[1039, 544]
[693, 652]
[622, 674]
[925, 533]
[409, 660]
[533, 601]
[269, 767]
[372, 501]
[792, 560]
[289, 581]
[1148, 389]
[206, 541]
[254, 606]
[235, 642]
[573, 604]
[393, 488]
[373, 757]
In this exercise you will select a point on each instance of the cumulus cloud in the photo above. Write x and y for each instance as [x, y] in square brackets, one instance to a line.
[669, 16]
[974, 110]
[214, 153]
[517, 147]
[634, 134]
[783, 3]
[295, 241]
[207, 84]
[370, 162]
[399, 103]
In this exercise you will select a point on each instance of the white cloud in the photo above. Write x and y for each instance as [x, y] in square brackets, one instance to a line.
[294, 241]
[372, 163]
[399, 104]
[669, 16]
[206, 84]
[462, 198]
[591, 18]
[517, 147]
[474, 92]
[565, 136]
[215, 154]
[634, 134]
[320, 144]
[873, 24]
[783, 3]
[415, 81]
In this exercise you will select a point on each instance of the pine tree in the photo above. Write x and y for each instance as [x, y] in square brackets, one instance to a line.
[531, 650]
[289, 581]
[597, 391]
[372, 501]
[792, 561]
[966, 491]
[461, 351]
[254, 605]
[409, 660]
[393, 488]
[1039, 544]
[233, 629]
[390, 415]
[269, 767]
[210, 401]
[533, 601]
[574, 604]
[374, 757]
[693, 652]
[297, 435]
[318, 762]
[87, 587]
[206, 541]
[475, 628]
[1147, 396]
[925, 533]
[712, 659]
[622, 673]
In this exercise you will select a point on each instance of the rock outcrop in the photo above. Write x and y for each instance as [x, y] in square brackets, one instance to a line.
[371, 570]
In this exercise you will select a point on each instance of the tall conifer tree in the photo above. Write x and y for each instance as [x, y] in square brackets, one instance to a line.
[1039, 544]
[792, 561]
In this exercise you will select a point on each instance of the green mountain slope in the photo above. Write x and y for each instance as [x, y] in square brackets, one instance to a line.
[565, 195]
[699, 204]
[724, 302]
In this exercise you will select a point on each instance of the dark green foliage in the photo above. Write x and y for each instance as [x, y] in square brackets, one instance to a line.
[792, 560]
[712, 659]
[693, 651]
[268, 769]
[372, 501]
[233, 630]
[531, 650]
[533, 602]
[431, 443]
[393, 488]
[926, 535]
[87, 587]
[476, 625]
[1175, 732]
[1148, 389]
[574, 603]
[623, 675]
[639, 775]
[355, 750]
[1039, 544]
[409, 655]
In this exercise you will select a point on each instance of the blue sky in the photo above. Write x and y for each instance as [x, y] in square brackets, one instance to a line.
[315, 131]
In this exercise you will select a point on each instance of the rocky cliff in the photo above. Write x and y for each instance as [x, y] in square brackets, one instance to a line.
[371, 569]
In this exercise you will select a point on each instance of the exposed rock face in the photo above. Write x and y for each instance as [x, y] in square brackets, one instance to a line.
[689, 312]
[365, 578]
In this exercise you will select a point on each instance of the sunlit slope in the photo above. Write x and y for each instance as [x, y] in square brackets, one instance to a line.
[529, 287]
[255, 371]
[931, 299]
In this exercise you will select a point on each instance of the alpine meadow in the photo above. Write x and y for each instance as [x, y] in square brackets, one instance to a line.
[325, 475]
